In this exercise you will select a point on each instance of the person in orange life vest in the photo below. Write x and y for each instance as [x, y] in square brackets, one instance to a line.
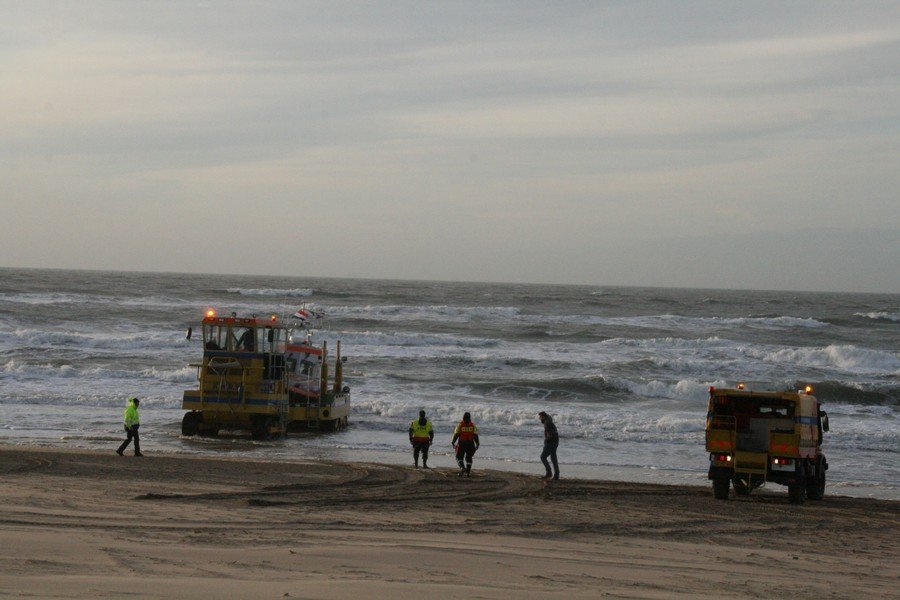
[467, 434]
[421, 434]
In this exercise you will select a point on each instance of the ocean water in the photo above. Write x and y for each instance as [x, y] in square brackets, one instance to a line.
[624, 371]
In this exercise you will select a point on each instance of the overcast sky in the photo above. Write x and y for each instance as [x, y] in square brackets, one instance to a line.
[690, 144]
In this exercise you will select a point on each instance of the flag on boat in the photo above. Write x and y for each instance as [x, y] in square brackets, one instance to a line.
[301, 315]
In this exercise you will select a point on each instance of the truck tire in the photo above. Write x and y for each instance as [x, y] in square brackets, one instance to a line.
[721, 487]
[190, 423]
[815, 488]
[797, 491]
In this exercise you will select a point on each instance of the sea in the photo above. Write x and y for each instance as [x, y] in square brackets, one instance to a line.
[624, 371]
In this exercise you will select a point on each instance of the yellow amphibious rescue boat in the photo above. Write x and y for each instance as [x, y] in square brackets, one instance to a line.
[255, 377]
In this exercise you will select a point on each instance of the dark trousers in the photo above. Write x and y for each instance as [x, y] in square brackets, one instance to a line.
[465, 449]
[423, 448]
[132, 434]
[550, 450]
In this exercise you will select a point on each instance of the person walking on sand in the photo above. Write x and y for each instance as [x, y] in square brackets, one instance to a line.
[421, 435]
[467, 434]
[132, 423]
[551, 443]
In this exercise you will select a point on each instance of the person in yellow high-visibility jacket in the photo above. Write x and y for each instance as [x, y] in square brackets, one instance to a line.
[421, 435]
[132, 423]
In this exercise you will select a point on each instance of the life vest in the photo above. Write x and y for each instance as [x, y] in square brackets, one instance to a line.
[132, 417]
[421, 433]
[466, 431]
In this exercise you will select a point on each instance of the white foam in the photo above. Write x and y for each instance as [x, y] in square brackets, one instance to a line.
[37, 299]
[49, 298]
[302, 292]
[100, 339]
[510, 314]
[30, 370]
[438, 313]
[379, 339]
[96, 375]
[848, 358]
[684, 389]
[880, 316]
[679, 322]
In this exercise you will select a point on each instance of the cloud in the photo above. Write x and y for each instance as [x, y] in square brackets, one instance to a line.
[520, 129]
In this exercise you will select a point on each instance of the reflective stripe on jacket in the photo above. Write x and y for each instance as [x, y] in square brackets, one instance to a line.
[466, 431]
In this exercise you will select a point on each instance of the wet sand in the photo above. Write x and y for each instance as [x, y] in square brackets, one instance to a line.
[78, 524]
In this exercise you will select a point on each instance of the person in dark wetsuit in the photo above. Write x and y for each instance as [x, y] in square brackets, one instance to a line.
[551, 443]
[467, 434]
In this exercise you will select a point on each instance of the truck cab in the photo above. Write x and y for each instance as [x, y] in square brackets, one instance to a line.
[759, 437]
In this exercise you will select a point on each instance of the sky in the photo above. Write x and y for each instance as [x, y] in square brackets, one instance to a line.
[747, 145]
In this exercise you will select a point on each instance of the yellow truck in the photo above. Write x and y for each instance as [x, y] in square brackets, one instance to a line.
[757, 437]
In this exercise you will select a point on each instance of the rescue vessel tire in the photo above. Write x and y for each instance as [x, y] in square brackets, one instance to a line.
[721, 487]
[210, 431]
[190, 423]
[260, 428]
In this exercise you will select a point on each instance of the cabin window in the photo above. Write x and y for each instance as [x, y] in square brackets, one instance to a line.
[271, 339]
[307, 367]
[212, 337]
[244, 339]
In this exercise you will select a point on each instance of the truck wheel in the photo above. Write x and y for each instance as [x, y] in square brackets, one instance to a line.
[190, 424]
[721, 488]
[796, 493]
[797, 490]
[815, 490]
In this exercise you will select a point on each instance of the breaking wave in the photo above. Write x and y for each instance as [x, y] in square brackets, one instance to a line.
[107, 341]
[880, 316]
[619, 390]
[845, 357]
[670, 321]
[301, 292]
[439, 313]
[96, 374]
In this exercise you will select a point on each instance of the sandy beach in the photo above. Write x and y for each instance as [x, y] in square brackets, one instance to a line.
[79, 524]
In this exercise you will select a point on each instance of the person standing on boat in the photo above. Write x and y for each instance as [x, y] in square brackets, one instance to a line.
[132, 423]
[467, 434]
[421, 435]
[551, 443]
